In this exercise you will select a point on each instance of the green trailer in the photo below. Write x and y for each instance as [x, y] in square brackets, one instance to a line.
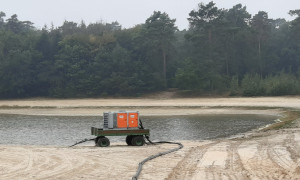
[122, 123]
[134, 137]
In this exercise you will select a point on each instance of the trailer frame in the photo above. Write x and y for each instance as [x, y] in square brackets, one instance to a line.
[135, 137]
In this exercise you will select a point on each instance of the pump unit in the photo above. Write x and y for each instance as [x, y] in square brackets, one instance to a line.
[121, 120]
[121, 123]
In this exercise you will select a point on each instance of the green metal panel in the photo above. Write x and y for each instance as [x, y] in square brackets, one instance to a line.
[121, 132]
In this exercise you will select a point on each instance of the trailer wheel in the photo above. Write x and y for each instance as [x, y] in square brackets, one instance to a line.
[103, 142]
[128, 140]
[138, 141]
[97, 138]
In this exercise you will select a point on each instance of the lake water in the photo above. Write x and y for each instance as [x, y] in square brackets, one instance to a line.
[64, 131]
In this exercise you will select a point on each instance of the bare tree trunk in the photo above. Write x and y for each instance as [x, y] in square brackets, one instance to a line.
[164, 67]
[259, 57]
[227, 66]
[210, 43]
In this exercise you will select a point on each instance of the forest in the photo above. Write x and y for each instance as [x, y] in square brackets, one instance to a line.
[224, 51]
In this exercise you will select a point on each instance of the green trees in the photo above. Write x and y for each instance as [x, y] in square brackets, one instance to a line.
[204, 28]
[159, 33]
[17, 65]
[224, 50]
[262, 28]
[293, 46]
[235, 39]
[229, 44]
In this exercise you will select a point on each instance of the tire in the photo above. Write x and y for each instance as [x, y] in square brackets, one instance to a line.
[138, 141]
[103, 142]
[97, 138]
[128, 140]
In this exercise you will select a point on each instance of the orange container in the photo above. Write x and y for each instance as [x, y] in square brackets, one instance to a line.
[122, 120]
[133, 119]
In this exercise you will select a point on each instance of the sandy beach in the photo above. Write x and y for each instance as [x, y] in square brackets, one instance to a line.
[272, 154]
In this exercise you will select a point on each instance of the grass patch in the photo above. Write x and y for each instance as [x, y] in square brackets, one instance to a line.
[289, 117]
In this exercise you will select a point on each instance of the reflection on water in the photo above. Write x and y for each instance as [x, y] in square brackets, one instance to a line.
[204, 126]
[63, 131]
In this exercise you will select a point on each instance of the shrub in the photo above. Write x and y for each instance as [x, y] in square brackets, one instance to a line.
[252, 85]
[282, 84]
[234, 86]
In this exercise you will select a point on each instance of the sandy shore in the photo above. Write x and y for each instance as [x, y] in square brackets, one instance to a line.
[260, 155]
[150, 107]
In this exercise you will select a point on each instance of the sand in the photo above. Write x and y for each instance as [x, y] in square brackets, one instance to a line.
[257, 155]
[150, 107]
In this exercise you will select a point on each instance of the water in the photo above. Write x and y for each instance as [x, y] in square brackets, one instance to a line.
[64, 131]
[204, 126]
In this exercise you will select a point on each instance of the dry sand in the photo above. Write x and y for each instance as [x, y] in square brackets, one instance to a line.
[177, 106]
[260, 155]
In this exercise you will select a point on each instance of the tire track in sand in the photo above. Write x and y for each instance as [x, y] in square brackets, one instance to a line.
[287, 157]
[39, 164]
[115, 162]
[186, 168]
[271, 158]
[271, 155]
[63, 165]
[217, 160]
[226, 164]
[19, 161]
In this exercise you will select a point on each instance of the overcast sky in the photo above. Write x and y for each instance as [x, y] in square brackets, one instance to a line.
[129, 12]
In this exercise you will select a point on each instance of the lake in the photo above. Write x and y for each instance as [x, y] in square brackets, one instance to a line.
[66, 130]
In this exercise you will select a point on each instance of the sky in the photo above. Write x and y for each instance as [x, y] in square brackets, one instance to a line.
[129, 12]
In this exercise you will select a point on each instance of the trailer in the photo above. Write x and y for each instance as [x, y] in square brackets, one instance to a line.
[122, 123]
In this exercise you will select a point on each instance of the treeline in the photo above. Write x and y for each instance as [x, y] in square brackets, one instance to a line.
[224, 50]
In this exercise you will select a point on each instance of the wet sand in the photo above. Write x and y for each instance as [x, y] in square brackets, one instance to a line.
[258, 155]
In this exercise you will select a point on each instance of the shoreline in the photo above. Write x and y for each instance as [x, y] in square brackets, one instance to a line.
[270, 102]
[163, 111]
[150, 107]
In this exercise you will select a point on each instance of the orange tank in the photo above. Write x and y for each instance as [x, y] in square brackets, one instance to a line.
[133, 119]
[121, 119]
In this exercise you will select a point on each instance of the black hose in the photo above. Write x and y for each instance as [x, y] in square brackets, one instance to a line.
[82, 141]
[139, 170]
[135, 177]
